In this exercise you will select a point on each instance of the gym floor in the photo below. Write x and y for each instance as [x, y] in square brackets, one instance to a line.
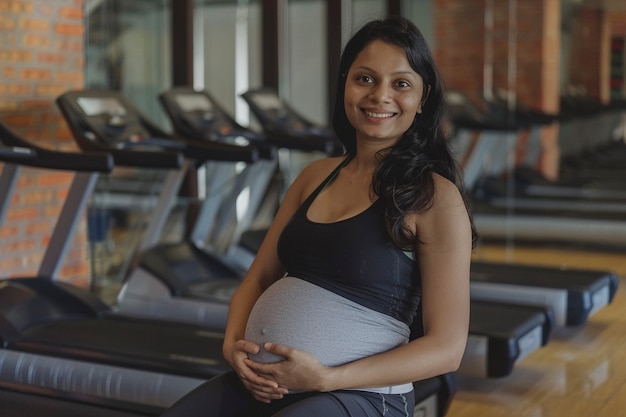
[580, 372]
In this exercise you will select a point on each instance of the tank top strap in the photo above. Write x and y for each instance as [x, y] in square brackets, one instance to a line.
[330, 178]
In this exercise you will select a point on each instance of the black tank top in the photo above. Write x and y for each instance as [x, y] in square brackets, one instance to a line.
[354, 258]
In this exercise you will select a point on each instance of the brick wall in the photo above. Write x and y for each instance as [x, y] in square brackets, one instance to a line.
[41, 56]
[592, 38]
[459, 50]
[534, 74]
[461, 33]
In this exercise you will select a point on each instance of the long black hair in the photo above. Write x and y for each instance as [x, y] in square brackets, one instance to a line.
[403, 178]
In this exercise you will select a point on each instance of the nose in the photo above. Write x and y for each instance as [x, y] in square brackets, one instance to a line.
[380, 93]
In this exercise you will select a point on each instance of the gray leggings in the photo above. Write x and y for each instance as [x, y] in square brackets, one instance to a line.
[225, 396]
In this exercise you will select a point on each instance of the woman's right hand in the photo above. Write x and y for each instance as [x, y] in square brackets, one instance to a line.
[261, 388]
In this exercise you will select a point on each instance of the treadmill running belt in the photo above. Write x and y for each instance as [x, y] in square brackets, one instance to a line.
[198, 353]
[17, 404]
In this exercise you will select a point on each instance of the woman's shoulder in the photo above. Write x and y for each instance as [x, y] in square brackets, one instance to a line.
[447, 193]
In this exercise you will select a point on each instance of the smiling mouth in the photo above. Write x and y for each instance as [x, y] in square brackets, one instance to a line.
[378, 115]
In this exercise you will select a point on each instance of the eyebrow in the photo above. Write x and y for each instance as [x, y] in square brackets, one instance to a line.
[363, 67]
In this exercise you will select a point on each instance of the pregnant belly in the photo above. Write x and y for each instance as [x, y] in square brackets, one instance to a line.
[301, 315]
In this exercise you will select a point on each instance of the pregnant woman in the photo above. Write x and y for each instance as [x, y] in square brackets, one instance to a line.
[361, 243]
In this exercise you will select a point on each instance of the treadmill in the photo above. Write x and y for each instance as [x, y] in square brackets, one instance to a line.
[174, 280]
[23, 393]
[573, 295]
[586, 139]
[58, 338]
[554, 219]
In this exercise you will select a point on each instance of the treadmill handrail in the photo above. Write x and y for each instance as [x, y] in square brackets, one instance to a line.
[52, 159]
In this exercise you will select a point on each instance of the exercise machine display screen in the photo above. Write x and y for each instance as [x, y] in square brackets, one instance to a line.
[193, 102]
[93, 106]
[267, 102]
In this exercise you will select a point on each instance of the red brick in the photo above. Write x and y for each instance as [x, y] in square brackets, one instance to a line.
[49, 117]
[35, 74]
[6, 24]
[9, 72]
[71, 13]
[48, 58]
[36, 197]
[36, 41]
[22, 245]
[17, 7]
[14, 89]
[36, 104]
[22, 213]
[9, 231]
[73, 78]
[50, 90]
[67, 29]
[23, 119]
[8, 104]
[15, 56]
[39, 25]
[52, 211]
[69, 45]
[39, 227]
[54, 178]
[10, 264]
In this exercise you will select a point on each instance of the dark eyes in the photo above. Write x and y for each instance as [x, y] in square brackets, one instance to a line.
[366, 79]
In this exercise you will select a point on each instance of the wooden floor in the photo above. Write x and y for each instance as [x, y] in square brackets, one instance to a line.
[581, 372]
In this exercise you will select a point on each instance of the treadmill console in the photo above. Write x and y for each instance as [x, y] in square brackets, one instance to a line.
[107, 120]
[203, 116]
[277, 117]
[195, 114]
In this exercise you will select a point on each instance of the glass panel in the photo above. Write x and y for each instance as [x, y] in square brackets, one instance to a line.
[420, 12]
[365, 10]
[127, 49]
[303, 73]
[227, 41]
[305, 44]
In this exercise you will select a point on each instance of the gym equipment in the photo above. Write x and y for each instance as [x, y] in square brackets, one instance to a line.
[18, 404]
[572, 294]
[486, 146]
[285, 125]
[192, 280]
[58, 338]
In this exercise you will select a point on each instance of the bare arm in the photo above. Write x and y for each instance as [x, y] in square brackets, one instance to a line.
[444, 258]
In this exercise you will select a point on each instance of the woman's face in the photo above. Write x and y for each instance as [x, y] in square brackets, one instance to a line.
[382, 94]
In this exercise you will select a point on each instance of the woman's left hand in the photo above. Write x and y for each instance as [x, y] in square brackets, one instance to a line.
[300, 371]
